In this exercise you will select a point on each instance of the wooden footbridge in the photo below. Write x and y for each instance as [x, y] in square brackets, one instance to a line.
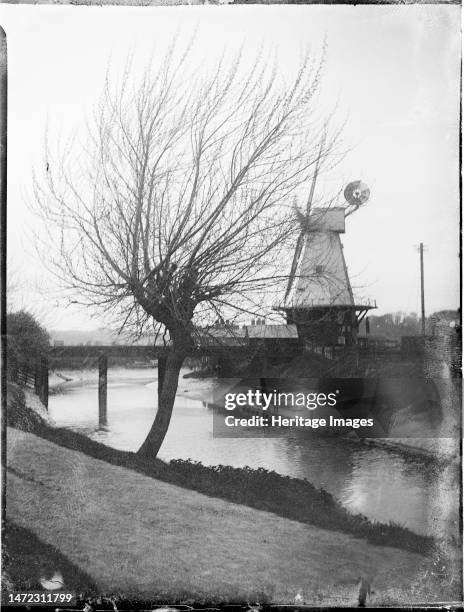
[219, 344]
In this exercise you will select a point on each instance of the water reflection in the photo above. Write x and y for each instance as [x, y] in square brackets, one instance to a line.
[382, 485]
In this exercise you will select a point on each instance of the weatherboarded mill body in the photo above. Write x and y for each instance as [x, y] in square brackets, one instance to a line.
[319, 299]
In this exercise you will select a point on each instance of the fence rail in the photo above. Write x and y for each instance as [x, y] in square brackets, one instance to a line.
[30, 373]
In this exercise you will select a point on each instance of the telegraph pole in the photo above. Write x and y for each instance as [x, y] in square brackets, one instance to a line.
[421, 252]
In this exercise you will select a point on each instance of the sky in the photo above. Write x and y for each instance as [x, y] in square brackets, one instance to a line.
[393, 72]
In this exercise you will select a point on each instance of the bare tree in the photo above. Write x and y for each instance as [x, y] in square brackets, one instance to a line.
[178, 208]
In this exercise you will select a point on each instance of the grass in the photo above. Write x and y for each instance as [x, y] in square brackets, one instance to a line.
[262, 489]
[175, 545]
[18, 414]
[26, 559]
[139, 537]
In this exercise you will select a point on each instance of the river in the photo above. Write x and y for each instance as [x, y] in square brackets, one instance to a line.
[378, 483]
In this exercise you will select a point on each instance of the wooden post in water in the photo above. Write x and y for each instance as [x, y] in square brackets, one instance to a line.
[102, 390]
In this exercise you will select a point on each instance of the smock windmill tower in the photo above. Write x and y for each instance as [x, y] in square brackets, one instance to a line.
[319, 299]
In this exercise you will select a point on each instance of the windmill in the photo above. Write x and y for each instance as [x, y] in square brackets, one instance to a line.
[319, 298]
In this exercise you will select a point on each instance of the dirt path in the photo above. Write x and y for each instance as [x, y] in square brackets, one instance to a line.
[141, 537]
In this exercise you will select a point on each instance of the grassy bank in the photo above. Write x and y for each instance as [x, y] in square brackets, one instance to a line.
[295, 499]
[262, 489]
[145, 539]
[26, 559]
[19, 415]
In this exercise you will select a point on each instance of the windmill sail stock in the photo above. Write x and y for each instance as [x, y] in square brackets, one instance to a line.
[303, 220]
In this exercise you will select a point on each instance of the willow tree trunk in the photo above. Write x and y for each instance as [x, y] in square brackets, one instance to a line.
[166, 397]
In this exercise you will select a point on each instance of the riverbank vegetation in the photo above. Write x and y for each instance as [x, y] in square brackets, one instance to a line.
[262, 489]
[20, 415]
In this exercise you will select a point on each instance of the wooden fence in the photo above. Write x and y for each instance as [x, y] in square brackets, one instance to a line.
[31, 373]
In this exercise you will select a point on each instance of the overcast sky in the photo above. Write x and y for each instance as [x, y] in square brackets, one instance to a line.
[393, 69]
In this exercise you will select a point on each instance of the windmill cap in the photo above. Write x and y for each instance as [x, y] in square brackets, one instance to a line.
[327, 220]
